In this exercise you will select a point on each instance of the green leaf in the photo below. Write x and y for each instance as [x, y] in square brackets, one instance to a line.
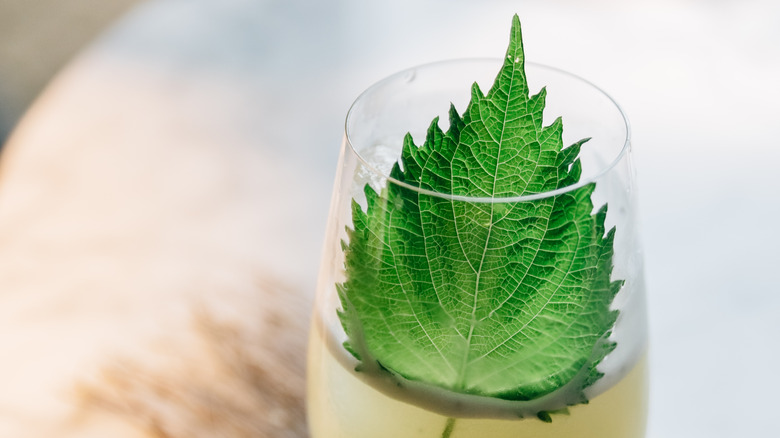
[504, 299]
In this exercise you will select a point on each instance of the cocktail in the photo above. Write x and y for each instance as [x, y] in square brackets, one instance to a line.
[479, 279]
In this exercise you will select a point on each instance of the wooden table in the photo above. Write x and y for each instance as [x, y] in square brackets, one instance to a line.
[150, 181]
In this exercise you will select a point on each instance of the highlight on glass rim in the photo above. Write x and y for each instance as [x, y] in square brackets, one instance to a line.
[481, 274]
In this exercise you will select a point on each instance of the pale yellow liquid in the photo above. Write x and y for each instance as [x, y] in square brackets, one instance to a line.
[340, 405]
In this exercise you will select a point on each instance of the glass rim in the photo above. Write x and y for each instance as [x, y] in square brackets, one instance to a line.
[488, 199]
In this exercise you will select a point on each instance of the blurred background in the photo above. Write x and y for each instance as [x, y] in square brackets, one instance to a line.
[37, 38]
[227, 116]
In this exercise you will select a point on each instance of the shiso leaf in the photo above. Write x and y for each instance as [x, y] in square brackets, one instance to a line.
[505, 299]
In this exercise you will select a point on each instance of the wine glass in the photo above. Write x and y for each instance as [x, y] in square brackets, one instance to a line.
[359, 387]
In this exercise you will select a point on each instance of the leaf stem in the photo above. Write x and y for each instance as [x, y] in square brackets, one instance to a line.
[448, 428]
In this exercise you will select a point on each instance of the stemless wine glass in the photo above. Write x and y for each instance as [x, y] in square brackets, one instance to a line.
[350, 399]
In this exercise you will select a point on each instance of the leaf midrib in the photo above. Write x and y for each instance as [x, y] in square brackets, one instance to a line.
[472, 324]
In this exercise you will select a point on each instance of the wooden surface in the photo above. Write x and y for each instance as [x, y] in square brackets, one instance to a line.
[136, 193]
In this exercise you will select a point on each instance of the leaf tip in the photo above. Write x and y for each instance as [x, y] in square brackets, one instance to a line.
[514, 53]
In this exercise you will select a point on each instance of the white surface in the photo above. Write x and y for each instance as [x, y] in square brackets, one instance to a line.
[257, 90]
